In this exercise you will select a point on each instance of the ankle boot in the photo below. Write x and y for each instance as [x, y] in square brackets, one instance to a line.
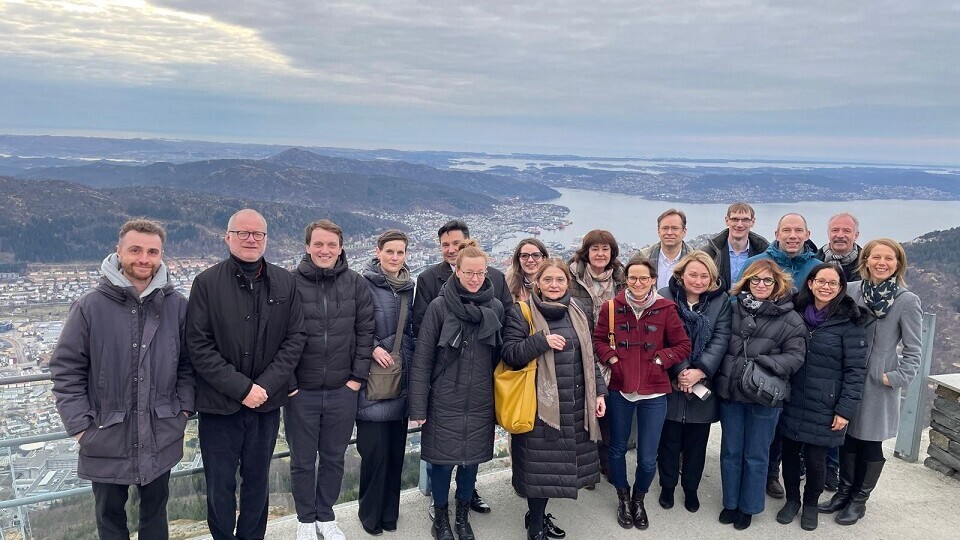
[840, 499]
[464, 530]
[623, 508]
[809, 517]
[441, 523]
[858, 502]
[637, 511]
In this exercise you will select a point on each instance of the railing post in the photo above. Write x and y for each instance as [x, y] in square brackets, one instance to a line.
[911, 410]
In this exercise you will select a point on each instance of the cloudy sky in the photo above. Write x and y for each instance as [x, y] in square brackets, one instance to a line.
[829, 79]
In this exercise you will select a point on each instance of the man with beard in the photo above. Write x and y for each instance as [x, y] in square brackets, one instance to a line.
[842, 249]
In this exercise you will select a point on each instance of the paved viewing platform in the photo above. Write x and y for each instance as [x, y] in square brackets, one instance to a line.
[911, 501]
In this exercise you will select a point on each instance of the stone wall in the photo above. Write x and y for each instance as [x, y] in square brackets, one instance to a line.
[944, 449]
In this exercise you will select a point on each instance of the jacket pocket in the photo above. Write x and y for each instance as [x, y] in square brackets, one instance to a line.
[107, 438]
[169, 424]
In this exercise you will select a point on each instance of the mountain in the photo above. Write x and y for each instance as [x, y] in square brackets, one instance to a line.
[56, 221]
[933, 262]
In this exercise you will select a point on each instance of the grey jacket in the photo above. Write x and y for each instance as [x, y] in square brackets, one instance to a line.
[880, 404]
[132, 433]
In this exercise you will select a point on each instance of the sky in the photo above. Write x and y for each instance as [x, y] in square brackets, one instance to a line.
[814, 79]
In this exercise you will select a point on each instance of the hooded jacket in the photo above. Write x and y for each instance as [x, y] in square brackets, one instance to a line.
[338, 317]
[797, 266]
[718, 248]
[132, 433]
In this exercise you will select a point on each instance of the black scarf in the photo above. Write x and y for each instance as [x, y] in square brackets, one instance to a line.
[464, 307]
[879, 298]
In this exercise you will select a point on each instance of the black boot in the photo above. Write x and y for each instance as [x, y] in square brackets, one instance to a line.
[840, 499]
[637, 511]
[809, 517]
[858, 502]
[623, 508]
[789, 511]
[464, 530]
[691, 501]
[666, 498]
[441, 523]
[542, 535]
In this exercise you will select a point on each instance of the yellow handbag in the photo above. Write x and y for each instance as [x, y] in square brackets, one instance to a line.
[515, 391]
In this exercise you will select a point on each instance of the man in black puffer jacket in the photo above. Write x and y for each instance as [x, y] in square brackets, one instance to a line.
[338, 315]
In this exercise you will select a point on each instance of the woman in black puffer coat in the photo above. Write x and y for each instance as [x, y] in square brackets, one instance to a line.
[451, 385]
[559, 456]
[825, 392]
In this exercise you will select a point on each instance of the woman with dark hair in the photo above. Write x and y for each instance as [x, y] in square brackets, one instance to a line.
[382, 423]
[559, 456]
[824, 392]
[527, 258]
[893, 358]
[451, 385]
[647, 338]
[765, 331]
[704, 307]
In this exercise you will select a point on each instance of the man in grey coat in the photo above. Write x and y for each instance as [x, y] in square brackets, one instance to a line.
[123, 383]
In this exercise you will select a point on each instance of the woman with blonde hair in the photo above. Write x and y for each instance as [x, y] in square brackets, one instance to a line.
[768, 338]
[527, 259]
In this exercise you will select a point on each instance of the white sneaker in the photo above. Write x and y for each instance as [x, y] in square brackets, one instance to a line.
[306, 531]
[329, 530]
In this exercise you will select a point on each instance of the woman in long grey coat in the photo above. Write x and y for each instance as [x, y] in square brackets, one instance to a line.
[559, 456]
[883, 263]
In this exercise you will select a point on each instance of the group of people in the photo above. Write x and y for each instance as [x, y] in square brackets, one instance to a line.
[793, 350]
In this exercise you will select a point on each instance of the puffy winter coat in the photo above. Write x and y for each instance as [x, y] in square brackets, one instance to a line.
[830, 380]
[775, 337]
[452, 388]
[430, 283]
[546, 462]
[688, 408]
[386, 315]
[657, 333]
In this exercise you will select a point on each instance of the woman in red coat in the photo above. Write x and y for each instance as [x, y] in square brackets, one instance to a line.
[647, 337]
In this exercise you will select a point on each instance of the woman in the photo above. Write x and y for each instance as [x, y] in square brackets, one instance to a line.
[560, 455]
[766, 330]
[649, 339]
[382, 424]
[825, 392]
[451, 384]
[883, 263]
[527, 258]
[704, 307]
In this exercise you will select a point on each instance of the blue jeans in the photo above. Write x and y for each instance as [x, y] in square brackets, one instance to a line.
[440, 476]
[833, 461]
[747, 431]
[650, 416]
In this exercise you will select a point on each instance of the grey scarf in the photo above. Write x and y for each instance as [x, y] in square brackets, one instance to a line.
[842, 260]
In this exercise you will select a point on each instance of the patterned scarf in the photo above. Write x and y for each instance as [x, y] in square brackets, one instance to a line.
[749, 302]
[879, 298]
[695, 322]
[599, 286]
[842, 260]
[639, 305]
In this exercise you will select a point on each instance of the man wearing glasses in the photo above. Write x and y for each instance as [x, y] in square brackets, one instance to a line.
[671, 228]
[245, 333]
[731, 247]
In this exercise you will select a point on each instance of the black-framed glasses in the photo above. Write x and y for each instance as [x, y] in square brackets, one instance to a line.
[642, 279]
[756, 280]
[470, 275]
[535, 256]
[243, 235]
[820, 282]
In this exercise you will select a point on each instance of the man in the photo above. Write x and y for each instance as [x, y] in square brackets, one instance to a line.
[671, 228]
[429, 284]
[245, 335]
[843, 230]
[123, 383]
[731, 247]
[338, 315]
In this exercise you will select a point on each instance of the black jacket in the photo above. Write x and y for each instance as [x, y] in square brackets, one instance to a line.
[688, 408]
[452, 388]
[776, 338]
[831, 379]
[547, 462]
[338, 317]
[718, 249]
[386, 315]
[431, 280]
[221, 322]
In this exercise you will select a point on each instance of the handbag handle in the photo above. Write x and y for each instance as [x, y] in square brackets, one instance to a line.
[610, 327]
[403, 319]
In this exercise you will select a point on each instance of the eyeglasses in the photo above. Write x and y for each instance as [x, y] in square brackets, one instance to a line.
[824, 283]
[756, 280]
[740, 219]
[535, 256]
[632, 280]
[470, 275]
[243, 235]
[667, 228]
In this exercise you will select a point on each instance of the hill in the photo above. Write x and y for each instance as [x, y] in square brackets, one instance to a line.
[934, 274]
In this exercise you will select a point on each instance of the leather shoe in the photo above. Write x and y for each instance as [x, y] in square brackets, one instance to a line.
[550, 528]
[775, 488]
[742, 521]
[478, 505]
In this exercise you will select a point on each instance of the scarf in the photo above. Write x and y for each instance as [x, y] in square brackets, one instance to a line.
[842, 260]
[639, 305]
[751, 304]
[600, 287]
[815, 317]
[879, 298]
[695, 322]
[400, 280]
[462, 307]
[548, 404]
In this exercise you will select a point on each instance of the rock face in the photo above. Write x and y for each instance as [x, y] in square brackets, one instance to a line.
[944, 449]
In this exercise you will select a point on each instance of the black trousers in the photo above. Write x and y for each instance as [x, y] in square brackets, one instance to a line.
[243, 440]
[111, 501]
[815, 459]
[538, 509]
[688, 440]
[381, 446]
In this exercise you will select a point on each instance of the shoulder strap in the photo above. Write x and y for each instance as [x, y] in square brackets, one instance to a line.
[610, 326]
[525, 311]
[403, 319]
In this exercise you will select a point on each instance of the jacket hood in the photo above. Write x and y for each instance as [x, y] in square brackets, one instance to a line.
[113, 275]
[787, 262]
[373, 272]
[313, 272]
